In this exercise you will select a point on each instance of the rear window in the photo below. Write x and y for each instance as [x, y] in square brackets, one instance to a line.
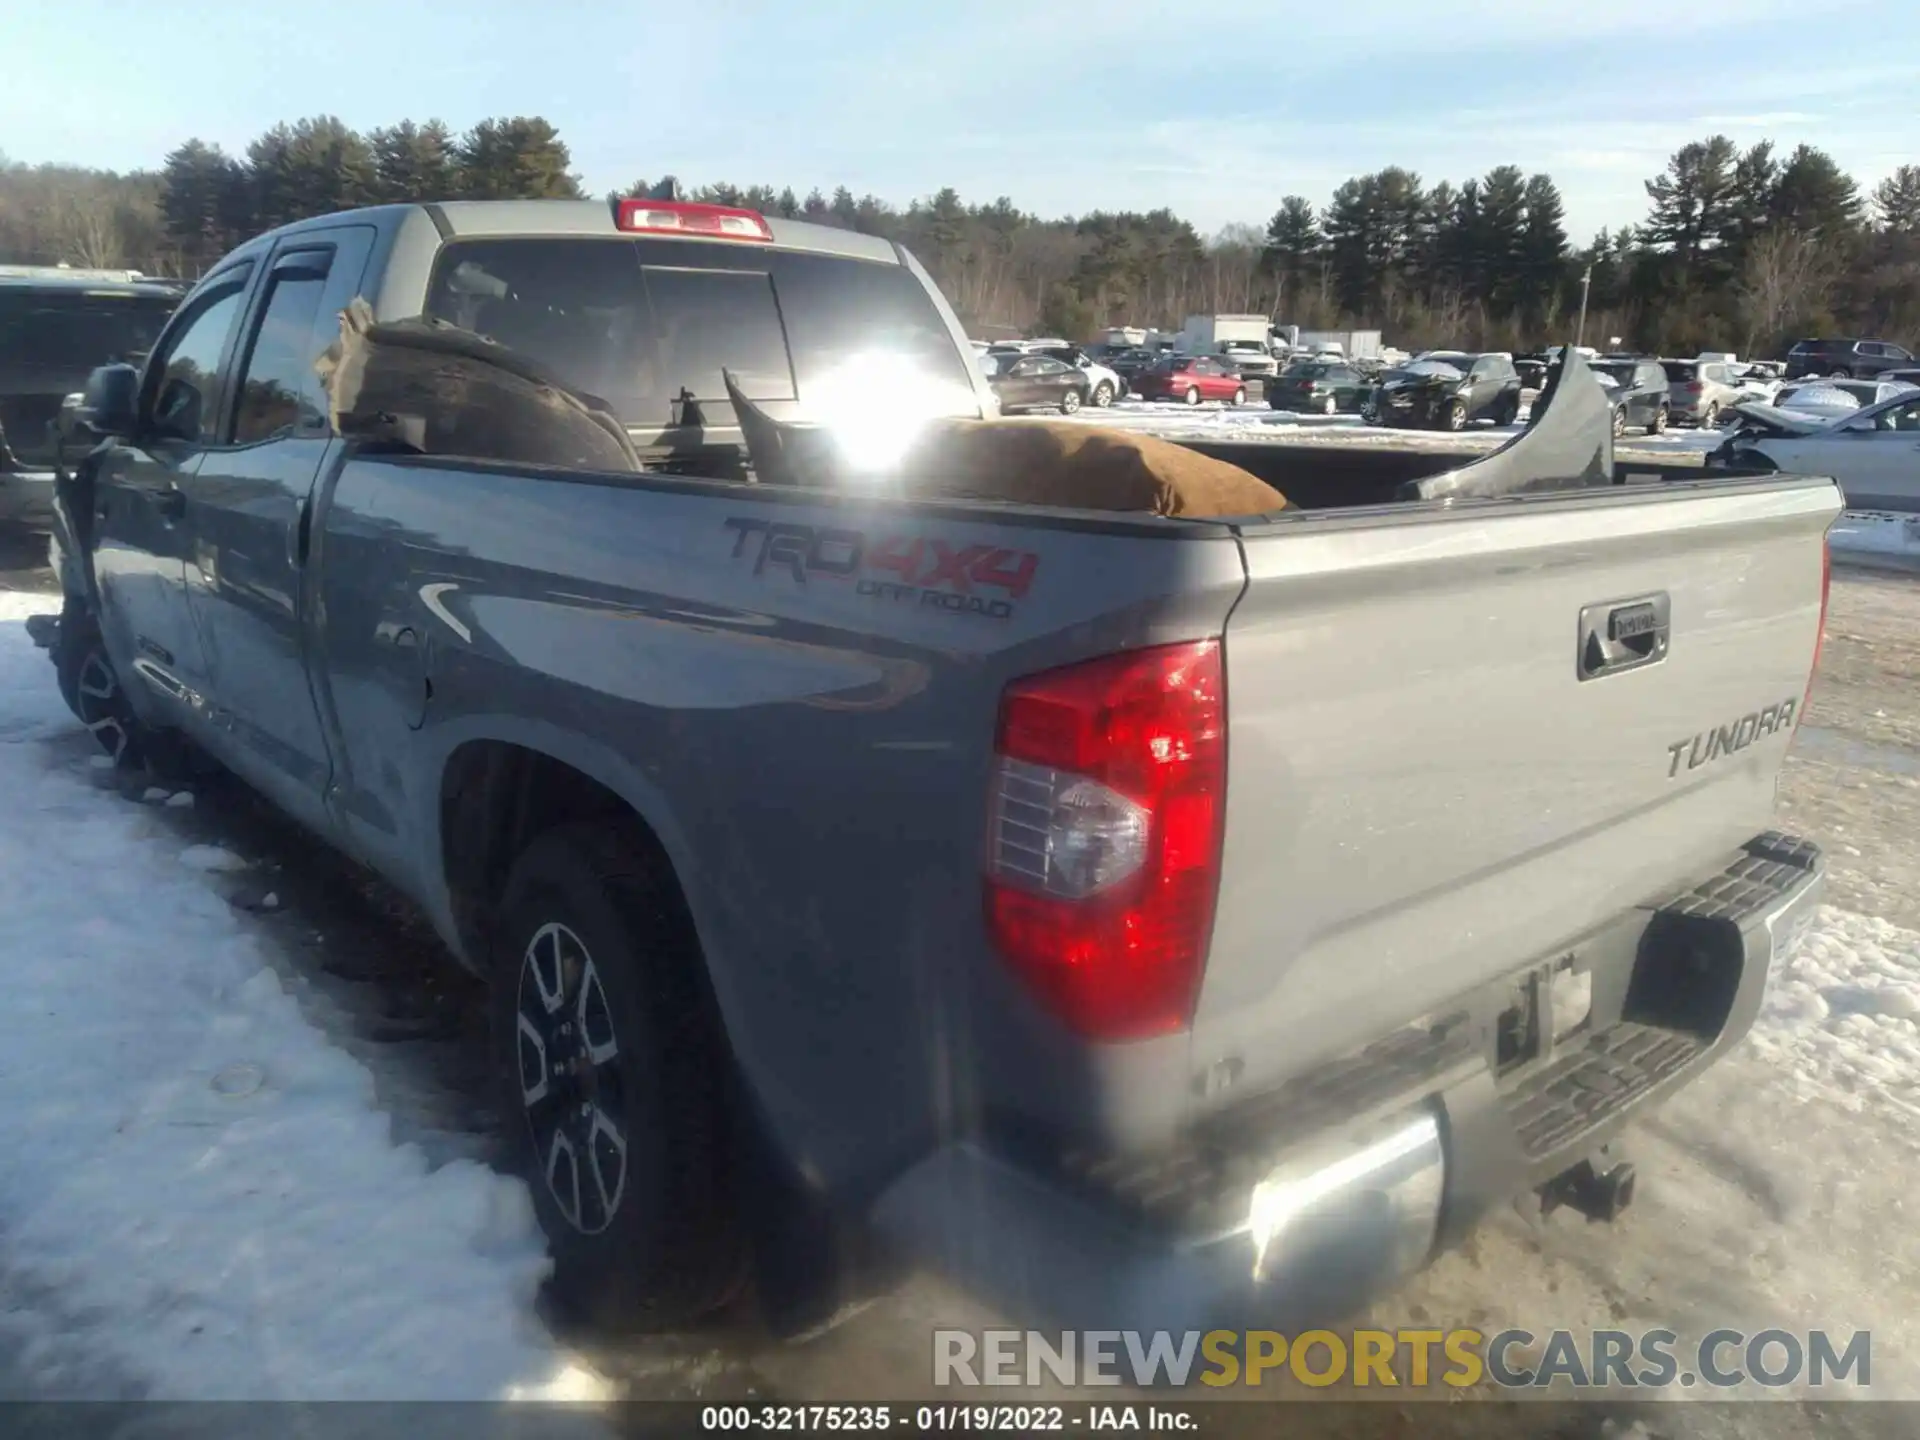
[640, 324]
[77, 330]
[1679, 373]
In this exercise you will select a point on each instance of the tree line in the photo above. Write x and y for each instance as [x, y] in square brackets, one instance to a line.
[1739, 249]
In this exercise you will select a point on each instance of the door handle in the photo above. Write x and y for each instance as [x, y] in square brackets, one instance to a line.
[170, 501]
[1620, 635]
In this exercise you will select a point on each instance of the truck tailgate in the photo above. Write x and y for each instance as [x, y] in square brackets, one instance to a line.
[1427, 791]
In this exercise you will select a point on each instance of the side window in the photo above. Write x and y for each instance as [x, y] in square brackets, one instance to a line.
[279, 391]
[1897, 353]
[1052, 367]
[1904, 418]
[1026, 368]
[186, 386]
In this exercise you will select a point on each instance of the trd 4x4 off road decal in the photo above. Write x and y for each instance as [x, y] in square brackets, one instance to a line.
[906, 569]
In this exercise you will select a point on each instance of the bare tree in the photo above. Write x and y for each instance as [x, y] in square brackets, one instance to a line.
[1787, 275]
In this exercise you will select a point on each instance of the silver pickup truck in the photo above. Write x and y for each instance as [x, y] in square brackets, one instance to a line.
[1158, 922]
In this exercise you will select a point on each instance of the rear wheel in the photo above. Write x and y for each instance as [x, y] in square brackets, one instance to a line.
[1659, 425]
[1457, 415]
[91, 687]
[1193, 395]
[1843, 373]
[616, 1076]
[1069, 402]
[1240, 396]
[1102, 395]
[1330, 406]
[1710, 417]
[1619, 422]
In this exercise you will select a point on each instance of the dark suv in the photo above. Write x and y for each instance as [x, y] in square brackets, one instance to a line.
[1450, 389]
[1638, 392]
[54, 330]
[1847, 359]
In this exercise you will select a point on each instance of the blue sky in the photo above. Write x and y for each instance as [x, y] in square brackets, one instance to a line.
[1215, 110]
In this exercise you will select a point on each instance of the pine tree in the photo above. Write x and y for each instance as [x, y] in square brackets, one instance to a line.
[1690, 201]
[414, 162]
[1502, 247]
[199, 185]
[1293, 244]
[1896, 201]
[1815, 197]
[1543, 244]
[517, 158]
[312, 167]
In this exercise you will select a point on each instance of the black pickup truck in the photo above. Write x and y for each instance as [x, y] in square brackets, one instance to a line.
[1158, 921]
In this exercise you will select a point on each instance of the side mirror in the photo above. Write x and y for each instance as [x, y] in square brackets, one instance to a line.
[110, 404]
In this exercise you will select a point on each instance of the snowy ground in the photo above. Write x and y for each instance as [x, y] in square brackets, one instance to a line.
[245, 1155]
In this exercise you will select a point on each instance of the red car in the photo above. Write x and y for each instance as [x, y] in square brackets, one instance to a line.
[1191, 378]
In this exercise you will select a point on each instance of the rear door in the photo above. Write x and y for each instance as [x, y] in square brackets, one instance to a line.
[246, 575]
[146, 498]
[1425, 794]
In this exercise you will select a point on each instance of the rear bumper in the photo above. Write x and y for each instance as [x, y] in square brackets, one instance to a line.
[1298, 1208]
[26, 497]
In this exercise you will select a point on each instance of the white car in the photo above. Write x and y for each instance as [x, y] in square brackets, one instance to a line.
[1873, 451]
[1833, 399]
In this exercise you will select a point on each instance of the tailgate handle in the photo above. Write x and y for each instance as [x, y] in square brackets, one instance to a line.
[1622, 635]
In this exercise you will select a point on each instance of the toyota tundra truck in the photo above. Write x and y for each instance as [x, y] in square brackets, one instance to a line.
[1157, 922]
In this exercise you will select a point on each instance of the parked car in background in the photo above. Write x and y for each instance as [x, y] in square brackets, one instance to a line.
[1191, 378]
[1699, 392]
[1037, 382]
[1871, 451]
[55, 328]
[1325, 387]
[1844, 359]
[1756, 386]
[1532, 371]
[1252, 358]
[1451, 389]
[1129, 363]
[1836, 398]
[1104, 385]
[1638, 394]
[1900, 377]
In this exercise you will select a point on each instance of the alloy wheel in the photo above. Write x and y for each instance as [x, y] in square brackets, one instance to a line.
[570, 1084]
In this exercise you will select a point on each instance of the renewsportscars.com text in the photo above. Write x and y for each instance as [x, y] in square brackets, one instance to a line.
[1510, 1359]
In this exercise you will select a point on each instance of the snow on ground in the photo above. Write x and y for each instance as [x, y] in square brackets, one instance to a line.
[197, 1188]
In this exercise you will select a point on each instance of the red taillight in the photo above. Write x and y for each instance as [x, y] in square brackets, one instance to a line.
[673, 217]
[1693, 388]
[1104, 835]
[1820, 635]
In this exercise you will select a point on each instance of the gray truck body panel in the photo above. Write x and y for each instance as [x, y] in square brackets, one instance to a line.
[1427, 793]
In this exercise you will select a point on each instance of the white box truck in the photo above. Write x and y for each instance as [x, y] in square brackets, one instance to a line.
[1244, 340]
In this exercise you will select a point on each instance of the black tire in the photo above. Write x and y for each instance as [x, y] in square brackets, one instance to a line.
[586, 908]
[1619, 422]
[1069, 402]
[1843, 373]
[1659, 425]
[91, 688]
[1102, 395]
[1193, 395]
[1240, 396]
[1456, 418]
[1331, 406]
[1710, 417]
